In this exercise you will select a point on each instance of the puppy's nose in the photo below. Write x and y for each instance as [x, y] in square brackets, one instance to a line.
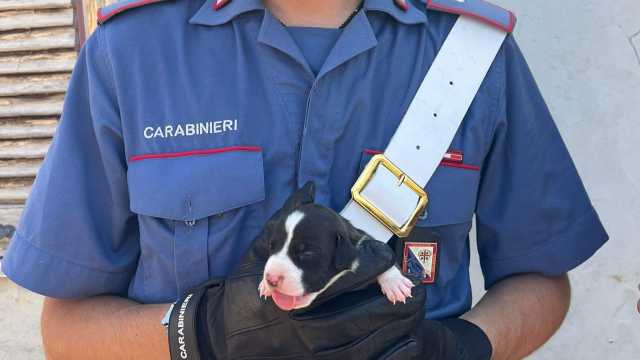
[274, 280]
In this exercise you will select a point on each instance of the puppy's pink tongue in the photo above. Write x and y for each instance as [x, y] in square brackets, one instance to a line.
[284, 302]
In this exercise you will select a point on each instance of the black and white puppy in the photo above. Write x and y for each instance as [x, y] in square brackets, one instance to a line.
[310, 248]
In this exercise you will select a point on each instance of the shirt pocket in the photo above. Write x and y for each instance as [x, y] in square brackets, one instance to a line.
[200, 195]
[452, 192]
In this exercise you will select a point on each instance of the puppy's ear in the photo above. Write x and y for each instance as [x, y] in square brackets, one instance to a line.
[302, 196]
[346, 252]
[347, 244]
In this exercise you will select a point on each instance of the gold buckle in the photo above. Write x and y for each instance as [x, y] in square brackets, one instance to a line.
[401, 230]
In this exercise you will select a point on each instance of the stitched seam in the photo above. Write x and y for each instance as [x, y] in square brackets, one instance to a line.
[490, 127]
[102, 45]
[63, 259]
[546, 244]
[102, 18]
[453, 10]
[512, 16]
[268, 324]
[275, 79]
[392, 15]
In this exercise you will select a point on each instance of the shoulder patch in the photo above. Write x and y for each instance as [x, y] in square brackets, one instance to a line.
[484, 11]
[107, 12]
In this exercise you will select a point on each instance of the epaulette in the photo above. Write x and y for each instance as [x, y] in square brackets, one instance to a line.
[484, 11]
[109, 11]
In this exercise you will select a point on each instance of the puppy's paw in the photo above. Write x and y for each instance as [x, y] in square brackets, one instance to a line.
[264, 289]
[395, 286]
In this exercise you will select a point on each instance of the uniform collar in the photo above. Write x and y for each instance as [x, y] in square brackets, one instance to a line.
[208, 15]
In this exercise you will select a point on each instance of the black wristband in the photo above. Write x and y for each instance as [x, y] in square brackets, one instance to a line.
[472, 342]
[183, 337]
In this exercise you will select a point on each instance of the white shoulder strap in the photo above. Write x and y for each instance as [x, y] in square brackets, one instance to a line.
[427, 129]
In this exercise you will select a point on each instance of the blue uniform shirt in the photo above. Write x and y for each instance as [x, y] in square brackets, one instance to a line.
[314, 43]
[185, 128]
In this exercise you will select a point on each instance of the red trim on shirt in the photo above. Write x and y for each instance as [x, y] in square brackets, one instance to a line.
[219, 4]
[402, 4]
[372, 152]
[105, 17]
[445, 162]
[195, 152]
[509, 28]
[452, 164]
[454, 156]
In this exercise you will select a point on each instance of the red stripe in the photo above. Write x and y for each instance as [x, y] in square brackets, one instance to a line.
[512, 21]
[371, 152]
[219, 4]
[458, 165]
[512, 16]
[444, 162]
[509, 28]
[195, 153]
[402, 4]
[103, 18]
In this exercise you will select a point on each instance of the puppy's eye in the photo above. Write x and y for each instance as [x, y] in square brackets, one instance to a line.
[305, 255]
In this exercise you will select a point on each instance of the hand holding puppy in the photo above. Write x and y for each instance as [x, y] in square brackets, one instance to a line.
[331, 317]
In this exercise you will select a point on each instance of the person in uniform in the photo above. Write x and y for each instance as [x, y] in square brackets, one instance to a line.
[188, 123]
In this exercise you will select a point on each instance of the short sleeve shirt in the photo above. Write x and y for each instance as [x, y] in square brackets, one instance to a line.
[184, 129]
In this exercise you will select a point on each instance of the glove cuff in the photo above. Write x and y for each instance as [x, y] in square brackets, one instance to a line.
[472, 342]
[183, 326]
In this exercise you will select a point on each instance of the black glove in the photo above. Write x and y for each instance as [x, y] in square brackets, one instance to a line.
[453, 339]
[226, 319]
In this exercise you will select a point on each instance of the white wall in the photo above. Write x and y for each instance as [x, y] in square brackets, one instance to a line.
[582, 54]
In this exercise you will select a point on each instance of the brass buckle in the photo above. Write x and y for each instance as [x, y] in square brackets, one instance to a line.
[401, 230]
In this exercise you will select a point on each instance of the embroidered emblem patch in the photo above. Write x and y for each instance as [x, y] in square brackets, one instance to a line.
[420, 260]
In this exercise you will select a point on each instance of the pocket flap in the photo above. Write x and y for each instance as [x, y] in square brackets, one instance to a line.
[193, 185]
[452, 197]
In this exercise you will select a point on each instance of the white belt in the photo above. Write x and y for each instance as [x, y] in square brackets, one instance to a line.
[389, 201]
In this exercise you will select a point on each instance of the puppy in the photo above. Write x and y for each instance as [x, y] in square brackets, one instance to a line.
[310, 248]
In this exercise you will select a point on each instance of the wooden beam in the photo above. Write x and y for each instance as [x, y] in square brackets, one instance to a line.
[10, 214]
[37, 63]
[14, 191]
[25, 107]
[19, 168]
[33, 4]
[33, 19]
[34, 84]
[24, 149]
[27, 128]
[36, 40]
[14, 196]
